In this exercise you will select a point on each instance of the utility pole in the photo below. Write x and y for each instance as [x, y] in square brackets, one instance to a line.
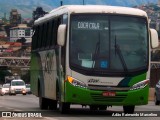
[83, 2]
[61, 2]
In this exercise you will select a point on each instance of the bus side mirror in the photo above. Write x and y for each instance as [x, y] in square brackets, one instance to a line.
[61, 34]
[154, 38]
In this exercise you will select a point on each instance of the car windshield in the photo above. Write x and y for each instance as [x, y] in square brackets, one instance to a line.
[17, 83]
[108, 44]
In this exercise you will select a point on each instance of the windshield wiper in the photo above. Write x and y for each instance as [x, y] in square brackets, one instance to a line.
[118, 51]
[96, 53]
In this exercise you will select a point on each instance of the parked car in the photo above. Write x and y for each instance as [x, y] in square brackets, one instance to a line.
[17, 87]
[157, 93]
[28, 89]
[5, 89]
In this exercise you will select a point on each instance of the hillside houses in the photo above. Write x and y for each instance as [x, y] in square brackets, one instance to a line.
[8, 48]
[21, 31]
[153, 12]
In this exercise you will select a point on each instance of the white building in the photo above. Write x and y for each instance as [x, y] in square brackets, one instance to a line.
[19, 32]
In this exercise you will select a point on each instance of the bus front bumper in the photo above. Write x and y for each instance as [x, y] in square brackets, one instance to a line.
[77, 95]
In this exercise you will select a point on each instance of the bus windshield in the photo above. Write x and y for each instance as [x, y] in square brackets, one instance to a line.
[108, 43]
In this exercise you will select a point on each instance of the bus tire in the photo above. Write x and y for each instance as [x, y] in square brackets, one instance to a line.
[156, 101]
[64, 107]
[52, 104]
[101, 107]
[43, 102]
[129, 109]
[93, 107]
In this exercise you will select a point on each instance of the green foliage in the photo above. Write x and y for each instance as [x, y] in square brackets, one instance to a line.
[4, 73]
[22, 40]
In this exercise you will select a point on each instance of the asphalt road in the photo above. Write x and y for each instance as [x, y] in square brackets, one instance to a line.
[21, 105]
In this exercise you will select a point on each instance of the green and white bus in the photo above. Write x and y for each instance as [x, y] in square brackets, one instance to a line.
[92, 55]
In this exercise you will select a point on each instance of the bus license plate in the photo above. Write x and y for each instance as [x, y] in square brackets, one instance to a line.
[109, 94]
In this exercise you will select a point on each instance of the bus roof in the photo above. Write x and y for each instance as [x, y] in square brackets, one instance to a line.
[91, 9]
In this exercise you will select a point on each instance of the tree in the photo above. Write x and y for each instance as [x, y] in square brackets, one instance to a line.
[22, 40]
[3, 73]
[39, 12]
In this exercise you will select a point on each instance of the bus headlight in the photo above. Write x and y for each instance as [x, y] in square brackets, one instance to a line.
[140, 85]
[76, 82]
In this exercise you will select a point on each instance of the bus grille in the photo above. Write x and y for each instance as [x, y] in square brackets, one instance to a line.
[99, 97]
[111, 88]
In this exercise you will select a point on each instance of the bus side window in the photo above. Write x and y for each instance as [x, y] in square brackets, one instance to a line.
[65, 19]
[37, 38]
[40, 38]
[54, 35]
[47, 35]
[43, 35]
[51, 26]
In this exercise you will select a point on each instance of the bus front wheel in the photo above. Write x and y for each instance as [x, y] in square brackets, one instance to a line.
[52, 104]
[101, 107]
[93, 107]
[43, 103]
[64, 107]
[128, 109]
